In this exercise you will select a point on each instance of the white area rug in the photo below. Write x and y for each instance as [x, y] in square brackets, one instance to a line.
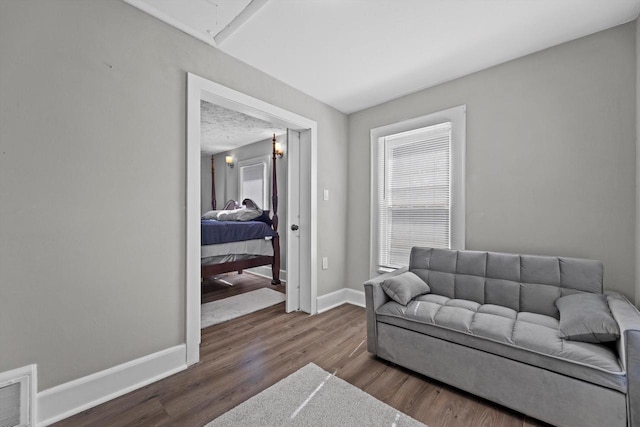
[312, 396]
[222, 310]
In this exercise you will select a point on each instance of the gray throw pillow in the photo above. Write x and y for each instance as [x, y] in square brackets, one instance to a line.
[405, 287]
[587, 318]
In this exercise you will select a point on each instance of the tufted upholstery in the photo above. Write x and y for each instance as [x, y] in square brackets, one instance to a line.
[490, 327]
[520, 282]
[527, 337]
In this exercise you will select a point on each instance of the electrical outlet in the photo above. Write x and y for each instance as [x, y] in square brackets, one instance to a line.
[326, 195]
[325, 263]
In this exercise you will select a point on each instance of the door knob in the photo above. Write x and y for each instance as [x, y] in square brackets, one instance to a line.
[294, 227]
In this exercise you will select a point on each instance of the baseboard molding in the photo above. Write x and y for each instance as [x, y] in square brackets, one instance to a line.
[68, 399]
[339, 297]
[265, 271]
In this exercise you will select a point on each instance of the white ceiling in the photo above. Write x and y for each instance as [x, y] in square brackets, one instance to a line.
[353, 54]
[200, 18]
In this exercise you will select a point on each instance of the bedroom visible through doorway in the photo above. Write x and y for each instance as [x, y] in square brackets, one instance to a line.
[301, 288]
[243, 201]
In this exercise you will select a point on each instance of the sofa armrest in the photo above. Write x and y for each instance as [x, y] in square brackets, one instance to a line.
[628, 318]
[374, 298]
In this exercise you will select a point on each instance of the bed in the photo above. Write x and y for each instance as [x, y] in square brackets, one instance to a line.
[230, 242]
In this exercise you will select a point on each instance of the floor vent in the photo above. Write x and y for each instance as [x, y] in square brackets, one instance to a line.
[17, 397]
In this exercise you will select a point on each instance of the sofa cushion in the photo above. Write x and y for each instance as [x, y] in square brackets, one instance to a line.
[404, 287]
[522, 282]
[587, 318]
[530, 338]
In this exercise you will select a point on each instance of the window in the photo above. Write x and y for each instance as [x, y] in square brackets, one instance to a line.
[253, 181]
[418, 182]
[414, 203]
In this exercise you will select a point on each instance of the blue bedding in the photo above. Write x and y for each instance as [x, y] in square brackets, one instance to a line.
[215, 232]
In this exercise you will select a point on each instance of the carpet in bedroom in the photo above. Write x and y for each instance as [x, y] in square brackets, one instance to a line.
[226, 309]
[312, 396]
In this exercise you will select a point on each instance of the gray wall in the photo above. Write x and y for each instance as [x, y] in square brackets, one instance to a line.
[551, 153]
[227, 186]
[205, 183]
[93, 181]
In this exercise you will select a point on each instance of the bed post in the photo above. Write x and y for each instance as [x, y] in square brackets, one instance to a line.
[213, 184]
[275, 267]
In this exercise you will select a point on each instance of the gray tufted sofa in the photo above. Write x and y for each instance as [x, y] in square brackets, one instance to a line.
[490, 327]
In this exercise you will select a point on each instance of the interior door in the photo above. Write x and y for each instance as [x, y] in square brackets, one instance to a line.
[292, 227]
[304, 213]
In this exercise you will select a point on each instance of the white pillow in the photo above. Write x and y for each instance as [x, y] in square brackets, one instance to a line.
[210, 214]
[242, 214]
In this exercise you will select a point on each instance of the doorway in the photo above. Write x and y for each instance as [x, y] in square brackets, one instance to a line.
[302, 277]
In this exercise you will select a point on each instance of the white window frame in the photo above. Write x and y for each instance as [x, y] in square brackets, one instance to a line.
[457, 117]
[264, 161]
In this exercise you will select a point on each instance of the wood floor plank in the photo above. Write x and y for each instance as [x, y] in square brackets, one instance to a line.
[487, 417]
[414, 397]
[451, 409]
[244, 356]
[388, 384]
[213, 290]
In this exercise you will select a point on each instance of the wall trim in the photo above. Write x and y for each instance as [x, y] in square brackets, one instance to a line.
[27, 378]
[458, 118]
[339, 297]
[70, 398]
[199, 88]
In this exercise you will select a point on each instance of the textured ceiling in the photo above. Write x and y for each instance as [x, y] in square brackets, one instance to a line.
[222, 129]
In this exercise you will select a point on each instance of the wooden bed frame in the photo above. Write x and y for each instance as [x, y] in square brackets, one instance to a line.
[274, 261]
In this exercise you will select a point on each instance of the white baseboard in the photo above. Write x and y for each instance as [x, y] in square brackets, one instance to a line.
[265, 271]
[70, 398]
[339, 297]
[355, 297]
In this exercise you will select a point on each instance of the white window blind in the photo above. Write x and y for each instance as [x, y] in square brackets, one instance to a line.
[252, 183]
[414, 197]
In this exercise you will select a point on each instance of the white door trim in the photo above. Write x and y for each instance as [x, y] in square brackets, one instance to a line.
[306, 294]
[198, 89]
[293, 217]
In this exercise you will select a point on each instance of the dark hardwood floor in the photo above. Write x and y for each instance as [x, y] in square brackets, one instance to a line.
[242, 357]
[213, 289]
